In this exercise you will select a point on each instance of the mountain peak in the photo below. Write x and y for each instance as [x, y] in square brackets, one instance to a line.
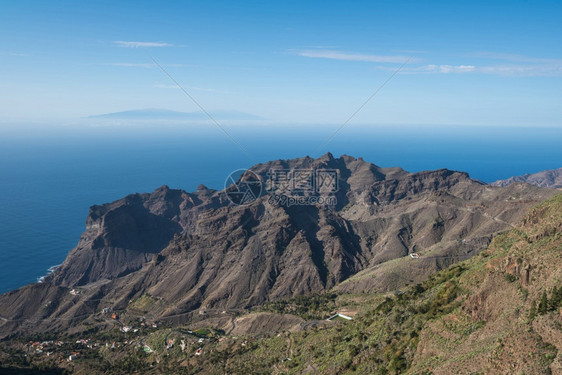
[163, 188]
[327, 156]
[217, 255]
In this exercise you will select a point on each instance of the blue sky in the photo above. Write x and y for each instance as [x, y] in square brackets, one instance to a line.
[471, 62]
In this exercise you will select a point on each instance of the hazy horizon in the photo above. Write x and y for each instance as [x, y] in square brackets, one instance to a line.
[476, 63]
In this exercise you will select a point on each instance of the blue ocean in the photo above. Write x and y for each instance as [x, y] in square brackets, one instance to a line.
[49, 178]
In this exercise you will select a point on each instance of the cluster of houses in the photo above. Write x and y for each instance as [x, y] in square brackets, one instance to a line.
[49, 348]
[38, 347]
[67, 351]
[70, 351]
[126, 329]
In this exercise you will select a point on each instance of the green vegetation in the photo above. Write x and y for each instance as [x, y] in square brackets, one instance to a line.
[310, 307]
[380, 340]
[543, 304]
[555, 300]
[143, 304]
[467, 312]
[533, 311]
[204, 332]
[546, 304]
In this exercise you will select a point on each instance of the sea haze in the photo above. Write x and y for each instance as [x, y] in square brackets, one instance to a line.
[48, 179]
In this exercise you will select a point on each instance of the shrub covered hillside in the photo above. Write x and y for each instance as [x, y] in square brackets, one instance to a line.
[508, 321]
[497, 313]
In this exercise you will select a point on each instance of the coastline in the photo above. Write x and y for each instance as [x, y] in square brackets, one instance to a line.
[50, 270]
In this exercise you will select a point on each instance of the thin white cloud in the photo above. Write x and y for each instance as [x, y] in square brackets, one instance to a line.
[338, 55]
[548, 70]
[7, 53]
[545, 70]
[518, 65]
[128, 44]
[515, 58]
[515, 65]
[449, 68]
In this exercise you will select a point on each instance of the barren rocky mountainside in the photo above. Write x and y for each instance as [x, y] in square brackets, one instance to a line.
[551, 178]
[496, 313]
[196, 254]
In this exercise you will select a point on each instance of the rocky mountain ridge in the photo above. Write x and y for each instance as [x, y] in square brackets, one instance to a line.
[550, 178]
[496, 313]
[197, 252]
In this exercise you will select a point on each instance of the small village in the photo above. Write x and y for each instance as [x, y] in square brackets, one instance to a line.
[148, 340]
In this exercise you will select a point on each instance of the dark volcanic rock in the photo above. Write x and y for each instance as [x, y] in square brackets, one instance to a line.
[121, 236]
[193, 251]
[551, 178]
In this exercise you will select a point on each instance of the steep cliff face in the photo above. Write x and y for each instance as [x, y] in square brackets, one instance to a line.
[198, 251]
[121, 236]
